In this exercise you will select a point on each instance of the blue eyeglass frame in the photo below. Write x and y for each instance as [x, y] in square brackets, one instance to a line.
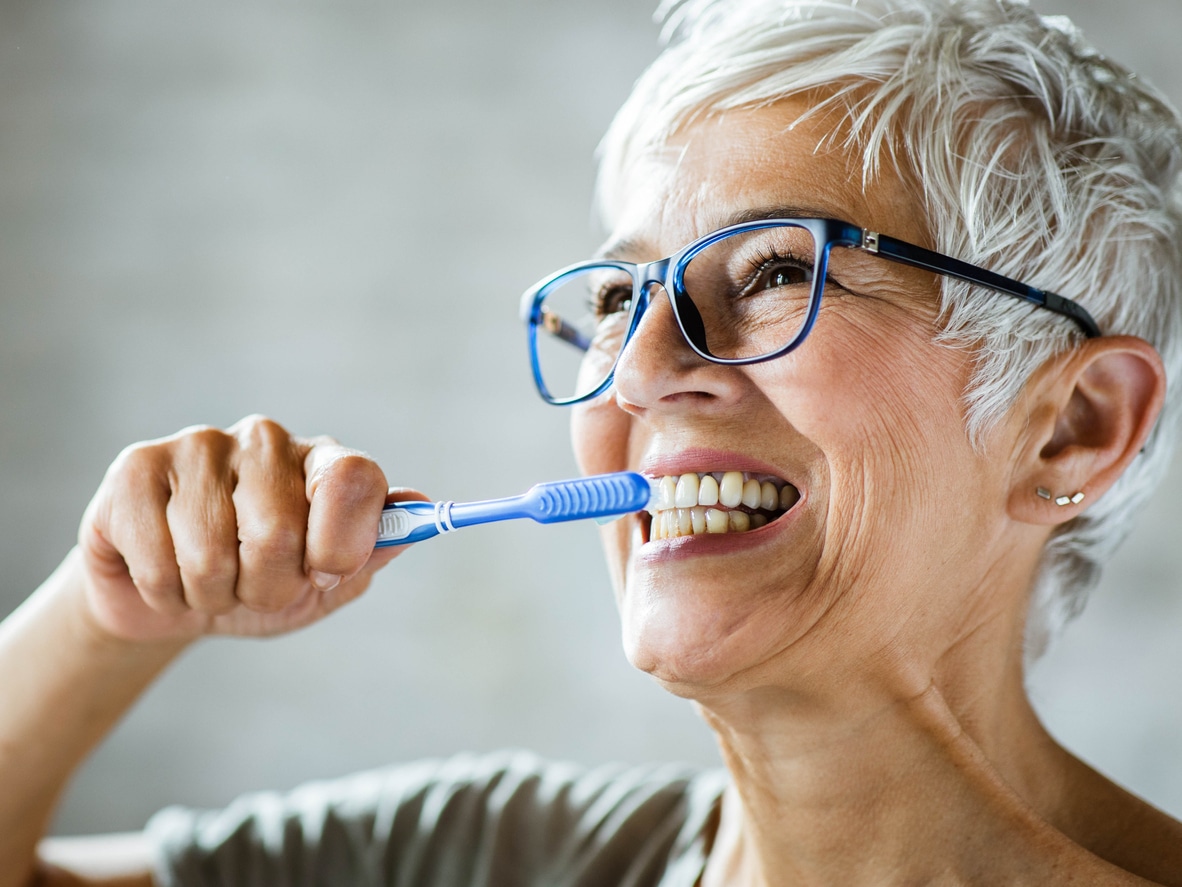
[668, 273]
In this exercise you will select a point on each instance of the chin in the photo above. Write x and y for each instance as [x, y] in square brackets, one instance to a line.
[682, 663]
[694, 641]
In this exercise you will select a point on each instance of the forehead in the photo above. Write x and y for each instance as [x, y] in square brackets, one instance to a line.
[737, 162]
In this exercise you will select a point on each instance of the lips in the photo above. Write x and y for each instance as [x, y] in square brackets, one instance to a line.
[717, 502]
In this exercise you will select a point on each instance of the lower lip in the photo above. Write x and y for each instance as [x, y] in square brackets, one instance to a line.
[718, 543]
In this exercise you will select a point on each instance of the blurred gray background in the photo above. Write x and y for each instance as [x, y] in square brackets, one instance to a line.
[325, 212]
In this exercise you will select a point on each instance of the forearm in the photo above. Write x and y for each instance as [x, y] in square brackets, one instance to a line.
[63, 684]
[248, 531]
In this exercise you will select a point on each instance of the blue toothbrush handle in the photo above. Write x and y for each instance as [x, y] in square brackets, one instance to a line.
[597, 496]
[600, 495]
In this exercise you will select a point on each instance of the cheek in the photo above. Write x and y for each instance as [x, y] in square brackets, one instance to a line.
[878, 387]
[599, 434]
[886, 415]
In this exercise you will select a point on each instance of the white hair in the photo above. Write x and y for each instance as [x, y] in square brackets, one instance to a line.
[1037, 158]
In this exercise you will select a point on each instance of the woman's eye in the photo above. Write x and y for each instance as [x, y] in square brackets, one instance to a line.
[787, 275]
[612, 300]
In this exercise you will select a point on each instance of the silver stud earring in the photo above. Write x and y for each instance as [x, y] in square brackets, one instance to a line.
[1075, 499]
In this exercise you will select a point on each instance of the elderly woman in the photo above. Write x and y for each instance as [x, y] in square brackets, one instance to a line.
[902, 377]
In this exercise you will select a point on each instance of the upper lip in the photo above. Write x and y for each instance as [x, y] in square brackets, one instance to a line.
[706, 460]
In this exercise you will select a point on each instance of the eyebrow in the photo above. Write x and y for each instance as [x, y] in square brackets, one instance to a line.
[625, 248]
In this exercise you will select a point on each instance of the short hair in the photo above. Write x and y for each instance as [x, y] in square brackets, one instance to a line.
[1036, 157]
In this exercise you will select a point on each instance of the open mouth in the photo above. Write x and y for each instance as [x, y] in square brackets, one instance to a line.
[702, 503]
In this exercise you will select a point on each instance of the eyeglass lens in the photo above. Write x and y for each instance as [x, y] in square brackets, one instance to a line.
[751, 289]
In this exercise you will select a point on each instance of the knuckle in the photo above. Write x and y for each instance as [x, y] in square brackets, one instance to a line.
[134, 483]
[210, 569]
[260, 431]
[138, 460]
[204, 441]
[210, 600]
[192, 431]
[155, 581]
[354, 477]
[156, 460]
[217, 606]
[272, 540]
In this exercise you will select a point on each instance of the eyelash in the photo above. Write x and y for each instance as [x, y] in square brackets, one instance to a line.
[597, 305]
[763, 260]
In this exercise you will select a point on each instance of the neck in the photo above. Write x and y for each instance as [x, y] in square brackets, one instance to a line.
[864, 786]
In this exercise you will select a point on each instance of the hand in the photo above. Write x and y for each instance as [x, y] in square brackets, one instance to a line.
[248, 531]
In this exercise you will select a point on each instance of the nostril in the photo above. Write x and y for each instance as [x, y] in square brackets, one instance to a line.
[626, 405]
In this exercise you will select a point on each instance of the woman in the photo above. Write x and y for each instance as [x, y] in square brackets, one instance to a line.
[888, 475]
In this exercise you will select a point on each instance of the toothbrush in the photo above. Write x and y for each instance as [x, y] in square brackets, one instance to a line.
[602, 496]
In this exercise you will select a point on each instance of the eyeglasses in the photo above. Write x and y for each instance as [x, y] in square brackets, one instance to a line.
[743, 294]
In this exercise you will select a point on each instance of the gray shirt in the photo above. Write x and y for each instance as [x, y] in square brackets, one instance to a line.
[505, 819]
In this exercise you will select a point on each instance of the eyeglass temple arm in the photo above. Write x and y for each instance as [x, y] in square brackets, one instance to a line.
[556, 326]
[918, 257]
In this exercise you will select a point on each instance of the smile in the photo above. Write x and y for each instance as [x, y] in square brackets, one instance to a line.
[701, 503]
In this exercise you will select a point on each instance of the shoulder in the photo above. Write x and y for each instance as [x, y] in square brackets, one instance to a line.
[469, 815]
[1121, 828]
[516, 783]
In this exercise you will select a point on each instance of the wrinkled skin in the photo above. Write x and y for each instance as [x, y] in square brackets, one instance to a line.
[859, 658]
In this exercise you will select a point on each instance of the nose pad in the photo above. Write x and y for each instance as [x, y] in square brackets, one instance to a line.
[691, 322]
[686, 320]
[649, 314]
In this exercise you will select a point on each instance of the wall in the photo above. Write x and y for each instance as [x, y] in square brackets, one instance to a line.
[325, 213]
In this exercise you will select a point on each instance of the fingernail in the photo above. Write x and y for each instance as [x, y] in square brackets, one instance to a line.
[324, 581]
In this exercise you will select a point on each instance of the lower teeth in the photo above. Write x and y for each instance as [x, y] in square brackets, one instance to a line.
[698, 521]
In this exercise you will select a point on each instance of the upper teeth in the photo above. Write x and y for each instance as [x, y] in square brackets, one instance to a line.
[729, 489]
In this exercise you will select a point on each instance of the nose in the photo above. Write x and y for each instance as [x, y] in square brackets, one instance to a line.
[659, 370]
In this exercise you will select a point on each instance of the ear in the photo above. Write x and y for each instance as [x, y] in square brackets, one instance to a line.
[1087, 414]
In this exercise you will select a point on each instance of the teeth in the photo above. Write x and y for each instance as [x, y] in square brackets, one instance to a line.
[686, 494]
[716, 521]
[695, 503]
[752, 494]
[666, 493]
[789, 496]
[730, 491]
[769, 496]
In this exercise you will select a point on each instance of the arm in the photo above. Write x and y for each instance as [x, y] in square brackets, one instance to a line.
[247, 531]
[65, 685]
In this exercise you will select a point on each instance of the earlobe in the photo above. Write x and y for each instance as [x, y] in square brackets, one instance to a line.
[1088, 415]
